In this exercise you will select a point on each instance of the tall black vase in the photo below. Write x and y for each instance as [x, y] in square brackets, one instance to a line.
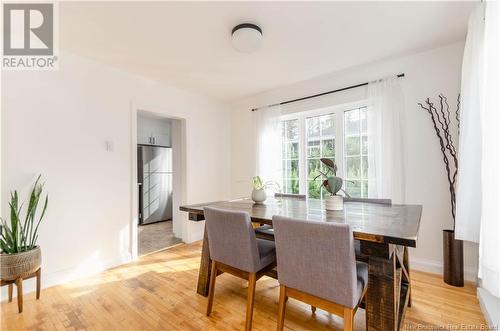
[453, 259]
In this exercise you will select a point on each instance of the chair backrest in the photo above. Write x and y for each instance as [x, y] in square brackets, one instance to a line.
[231, 239]
[369, 200]
[317, 258]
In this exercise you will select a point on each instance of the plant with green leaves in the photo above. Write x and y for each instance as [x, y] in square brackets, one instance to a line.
[331, 182]
[18, 235]
[259, 184]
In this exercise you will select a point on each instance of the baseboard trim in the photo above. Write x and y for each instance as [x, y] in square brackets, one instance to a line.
[66, 275]
[436, 267]
[490, 306]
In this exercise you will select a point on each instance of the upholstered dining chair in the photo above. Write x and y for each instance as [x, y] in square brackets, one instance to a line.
[235, 249]
[317, 265]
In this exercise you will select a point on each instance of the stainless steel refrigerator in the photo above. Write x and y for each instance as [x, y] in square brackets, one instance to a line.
[155, 183]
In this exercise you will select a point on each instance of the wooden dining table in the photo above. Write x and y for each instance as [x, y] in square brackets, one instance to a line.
[384, 231]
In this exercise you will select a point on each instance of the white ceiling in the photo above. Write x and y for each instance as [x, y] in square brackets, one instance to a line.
[187, 44]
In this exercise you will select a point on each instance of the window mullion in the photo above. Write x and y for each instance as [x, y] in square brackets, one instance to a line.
[339, 142]
[302, 155]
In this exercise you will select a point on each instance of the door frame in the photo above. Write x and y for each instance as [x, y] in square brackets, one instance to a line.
[178, 182]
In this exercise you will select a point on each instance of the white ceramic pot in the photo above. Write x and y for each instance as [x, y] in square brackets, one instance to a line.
[334, 202]
[259, 196]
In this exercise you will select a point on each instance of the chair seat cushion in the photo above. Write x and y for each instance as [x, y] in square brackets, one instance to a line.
[362, 276]
[357, 247]
[267, 252]
[266, 229]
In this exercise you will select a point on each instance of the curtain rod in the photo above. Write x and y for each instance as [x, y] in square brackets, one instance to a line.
[320, 94]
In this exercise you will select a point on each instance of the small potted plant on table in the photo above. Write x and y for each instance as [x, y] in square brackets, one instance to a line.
[20, 256]
[333, 185]
[259, 189]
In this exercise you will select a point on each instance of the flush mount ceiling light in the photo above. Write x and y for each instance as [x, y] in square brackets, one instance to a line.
[246, 37]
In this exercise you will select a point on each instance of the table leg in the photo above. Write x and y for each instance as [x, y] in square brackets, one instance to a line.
[382, 297]
[406, 262]
[204, 274]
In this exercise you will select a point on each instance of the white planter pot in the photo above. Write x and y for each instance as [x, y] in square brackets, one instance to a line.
[334, 202]
[259, 196]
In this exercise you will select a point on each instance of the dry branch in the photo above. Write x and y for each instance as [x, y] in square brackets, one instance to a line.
[441, 121]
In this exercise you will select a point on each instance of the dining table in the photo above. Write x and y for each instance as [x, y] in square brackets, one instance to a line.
[383, 233]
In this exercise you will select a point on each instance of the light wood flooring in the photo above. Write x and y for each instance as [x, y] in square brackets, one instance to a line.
[158, 292]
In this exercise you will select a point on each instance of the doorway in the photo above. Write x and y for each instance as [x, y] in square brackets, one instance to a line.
[158, 169]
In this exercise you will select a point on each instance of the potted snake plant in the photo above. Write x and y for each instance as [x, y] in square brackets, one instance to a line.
[20, 255]
[333, 185]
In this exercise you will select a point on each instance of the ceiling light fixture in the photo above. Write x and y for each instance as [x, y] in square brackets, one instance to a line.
[246, 37]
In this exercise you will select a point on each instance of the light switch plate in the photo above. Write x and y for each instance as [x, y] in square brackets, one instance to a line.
[109, 145]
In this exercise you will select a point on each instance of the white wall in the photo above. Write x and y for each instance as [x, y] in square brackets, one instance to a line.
[426, 75]
[56, 123]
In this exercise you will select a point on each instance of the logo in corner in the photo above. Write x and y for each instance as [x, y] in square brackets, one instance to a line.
[29, 41]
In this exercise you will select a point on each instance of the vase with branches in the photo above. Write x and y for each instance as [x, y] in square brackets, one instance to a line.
[443, 119]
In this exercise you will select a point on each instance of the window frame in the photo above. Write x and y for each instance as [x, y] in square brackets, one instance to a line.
[338, 111]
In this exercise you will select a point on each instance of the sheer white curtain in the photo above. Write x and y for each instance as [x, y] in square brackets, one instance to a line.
[489, 245]
[480, 119]
[385, 109]
[268, 143]
[468, 213]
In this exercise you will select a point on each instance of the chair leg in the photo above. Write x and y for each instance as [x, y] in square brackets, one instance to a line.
[11, 288]
[19, 284]
[252, 280]
[211, 289]
[38, 282]
[348, 319]
[282, 308]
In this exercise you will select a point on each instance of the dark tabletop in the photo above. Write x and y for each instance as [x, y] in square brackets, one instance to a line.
[395, 224]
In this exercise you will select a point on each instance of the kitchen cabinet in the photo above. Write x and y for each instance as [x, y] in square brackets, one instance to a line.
[153, 131]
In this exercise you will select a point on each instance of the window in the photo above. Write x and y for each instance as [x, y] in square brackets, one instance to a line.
[356, 152]
[320, 143]
[290, 156]
[336, 133]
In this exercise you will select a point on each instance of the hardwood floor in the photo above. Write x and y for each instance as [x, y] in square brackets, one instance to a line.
[158, 292]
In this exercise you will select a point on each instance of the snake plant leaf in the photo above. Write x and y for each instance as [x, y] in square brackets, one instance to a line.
[18, 236]
[35, 234]
[32, 207]
[4, 246]
[13, 232]
[8, 238]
